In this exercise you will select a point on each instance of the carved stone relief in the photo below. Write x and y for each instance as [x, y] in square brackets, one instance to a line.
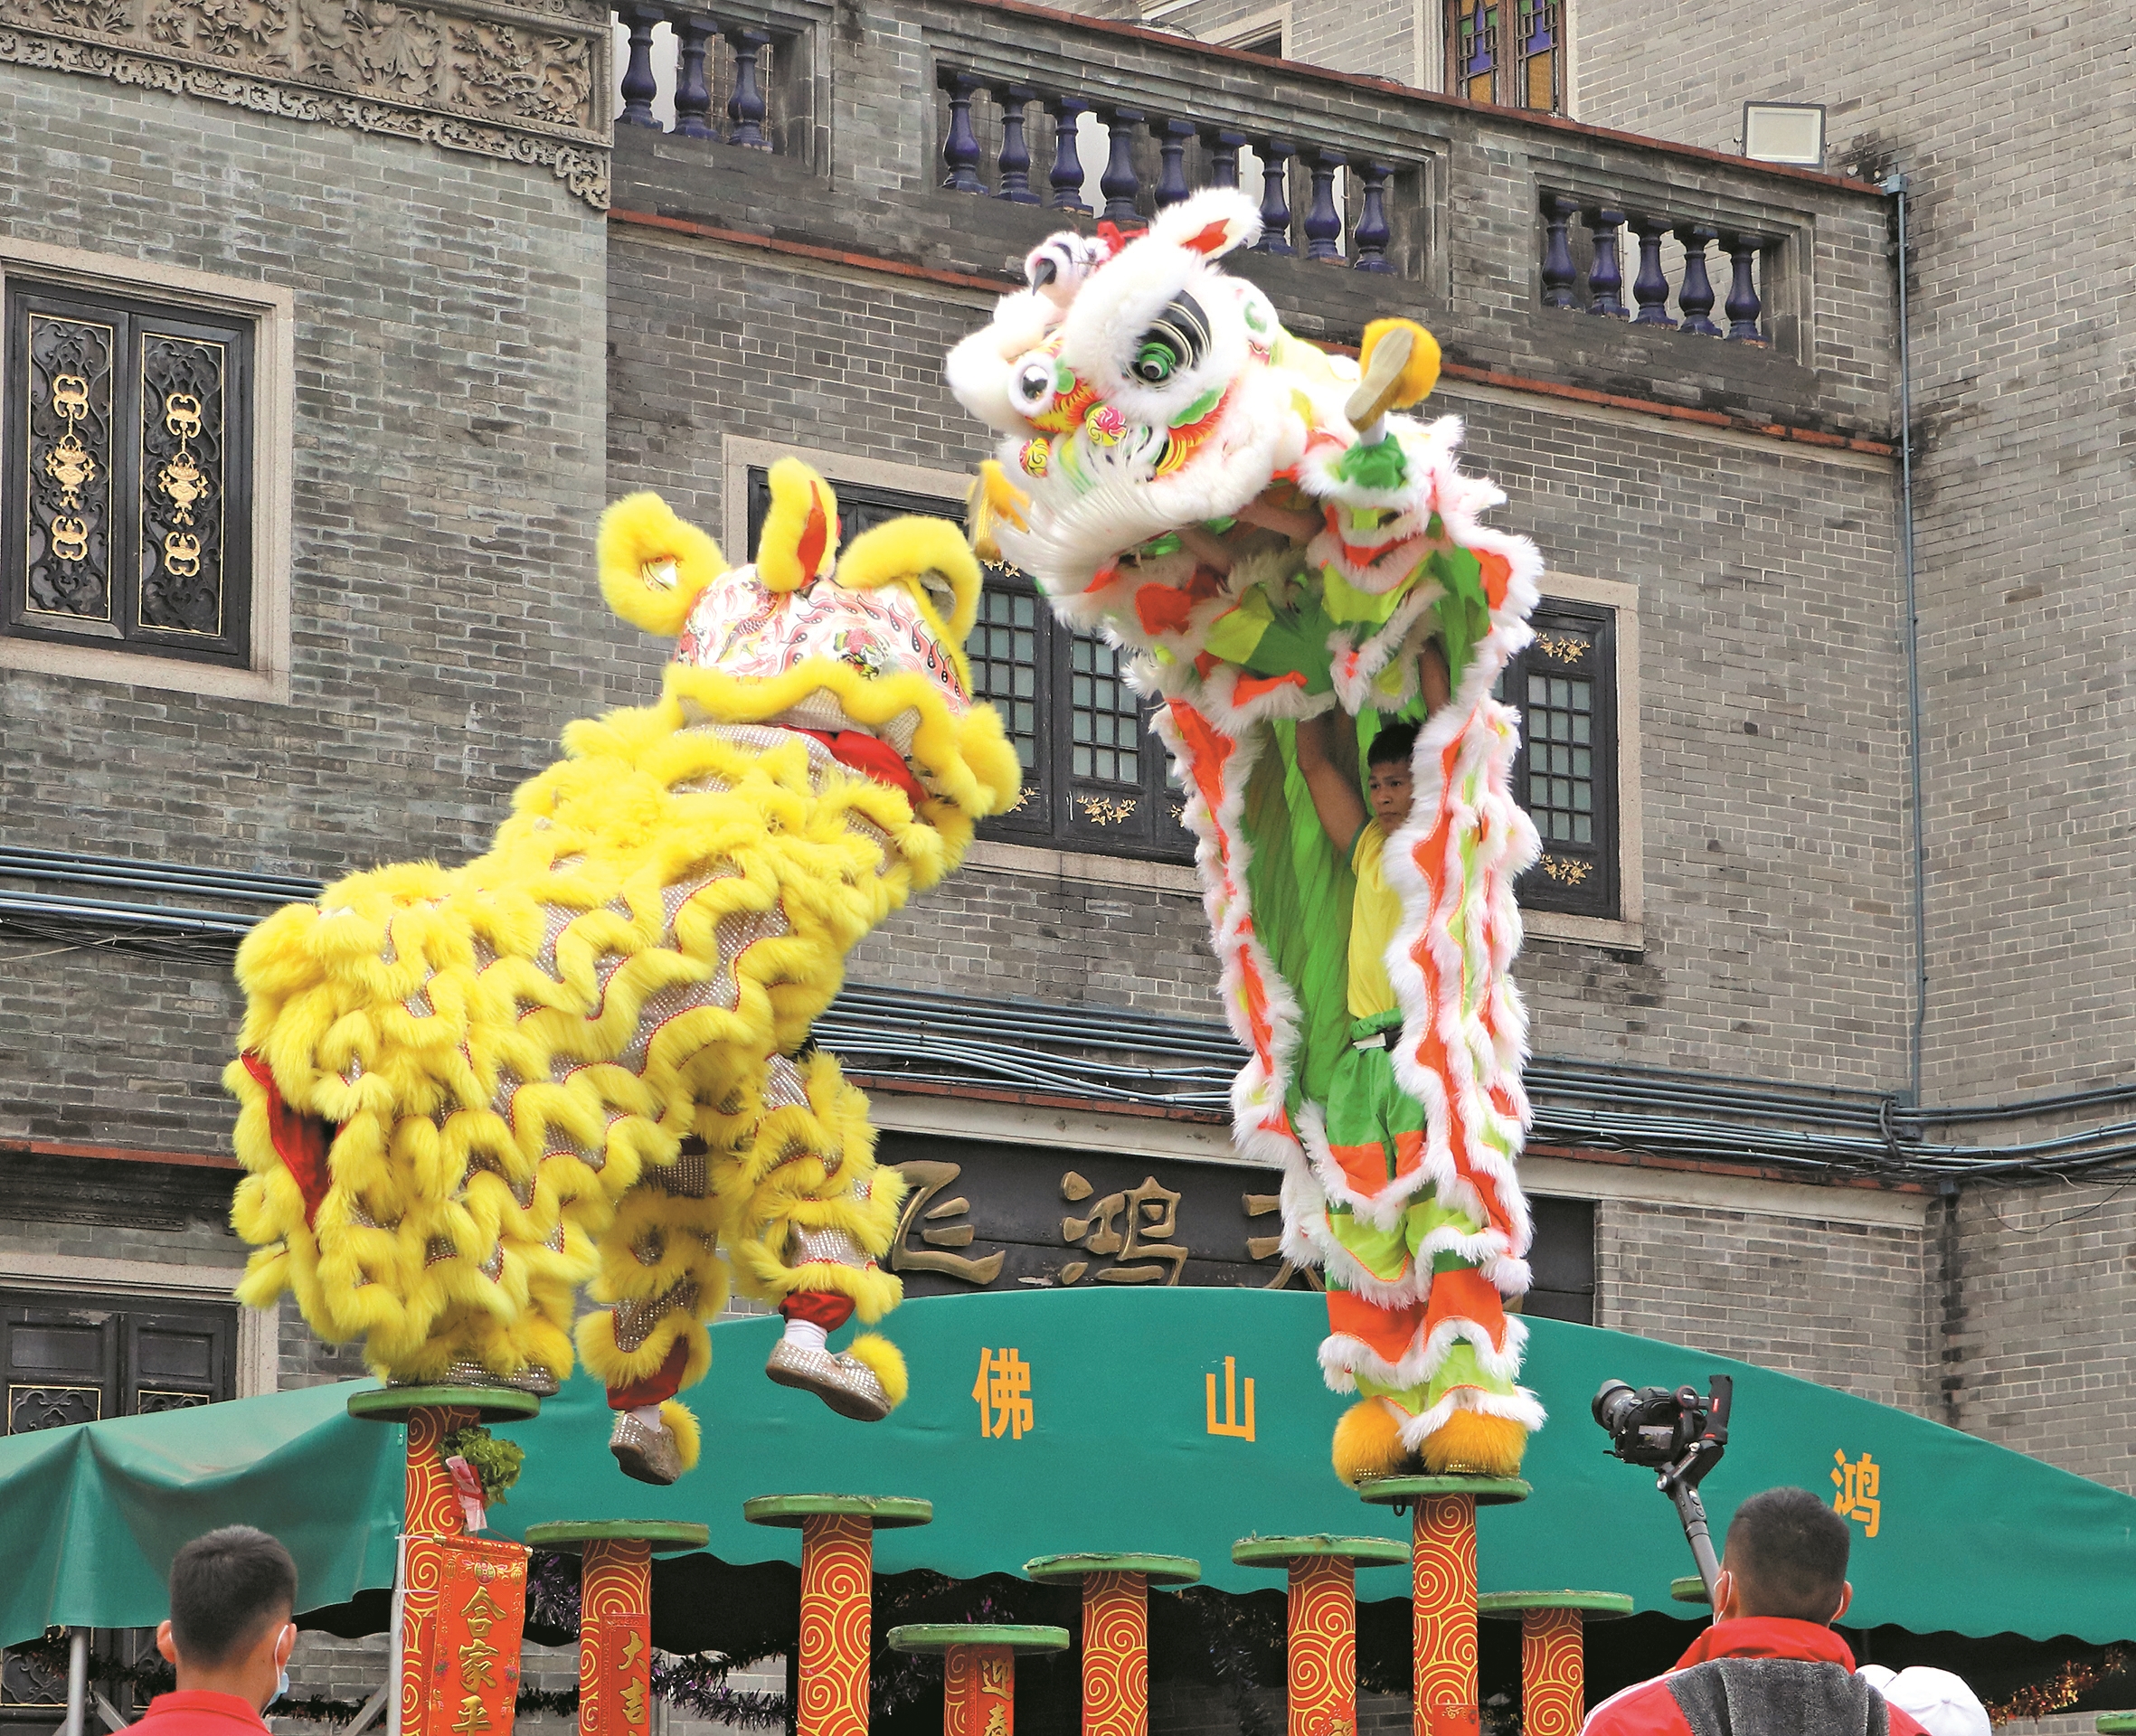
[524, 80]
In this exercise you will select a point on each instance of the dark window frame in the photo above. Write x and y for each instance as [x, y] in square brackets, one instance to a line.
[132, 452]
[1059, 809]
[119, 1360]
[1574, 641]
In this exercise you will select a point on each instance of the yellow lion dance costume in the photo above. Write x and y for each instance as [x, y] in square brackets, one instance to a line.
[584, 1057]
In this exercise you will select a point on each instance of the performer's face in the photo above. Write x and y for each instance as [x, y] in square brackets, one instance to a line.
[1391, 791]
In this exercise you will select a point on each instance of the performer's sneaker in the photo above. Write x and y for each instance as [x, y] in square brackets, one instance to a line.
[646, 1450]
[848, 1386]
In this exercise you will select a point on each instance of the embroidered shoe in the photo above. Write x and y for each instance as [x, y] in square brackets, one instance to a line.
[849, 1387]
[646, 1451]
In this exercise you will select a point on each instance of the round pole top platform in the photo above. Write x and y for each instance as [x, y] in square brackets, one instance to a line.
[668, 1536]
[1595, 1606]
[883, 1512]
[398, 1403]
[935, 1637]
[1281, 1551]
[1403, 1491]
[1690, 1589]
[2117, 1723]
[1159, 1569]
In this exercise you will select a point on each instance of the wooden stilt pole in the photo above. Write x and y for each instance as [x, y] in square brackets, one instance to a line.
[615, 1613]
[1321, 1673]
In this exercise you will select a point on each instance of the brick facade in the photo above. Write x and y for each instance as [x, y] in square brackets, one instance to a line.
[481, 360]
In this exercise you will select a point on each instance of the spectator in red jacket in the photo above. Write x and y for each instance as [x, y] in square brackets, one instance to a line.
[1770, 1664]
[232, 1593]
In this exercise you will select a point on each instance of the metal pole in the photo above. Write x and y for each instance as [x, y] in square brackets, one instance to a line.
[1896, 185]
[76, 1680]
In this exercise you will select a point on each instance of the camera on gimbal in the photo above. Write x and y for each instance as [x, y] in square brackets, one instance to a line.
[1678, 1434]
[1651, 1425]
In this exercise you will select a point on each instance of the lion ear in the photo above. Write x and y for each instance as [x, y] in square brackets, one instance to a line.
[800, 541]
[1213, 222]
[653, 564]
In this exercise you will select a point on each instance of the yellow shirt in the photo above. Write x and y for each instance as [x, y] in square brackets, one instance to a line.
[1375, 913]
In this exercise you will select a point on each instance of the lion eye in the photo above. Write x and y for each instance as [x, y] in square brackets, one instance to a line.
[1178, 340]
[1033, 385]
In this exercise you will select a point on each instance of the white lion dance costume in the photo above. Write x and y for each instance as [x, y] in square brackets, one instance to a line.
[1239, 507]
[584, 1056]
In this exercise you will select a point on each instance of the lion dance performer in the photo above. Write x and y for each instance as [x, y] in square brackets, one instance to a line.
[584, 1057]
[1302, 570]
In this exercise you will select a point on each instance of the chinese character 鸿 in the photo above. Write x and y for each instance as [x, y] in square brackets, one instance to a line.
[1859, 1488]
[1139, 1251]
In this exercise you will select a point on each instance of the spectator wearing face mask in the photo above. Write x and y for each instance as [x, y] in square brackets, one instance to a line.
[230, 1634]
[1770, 1664]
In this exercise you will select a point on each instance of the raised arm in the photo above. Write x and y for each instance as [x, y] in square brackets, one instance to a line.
[1333, 786]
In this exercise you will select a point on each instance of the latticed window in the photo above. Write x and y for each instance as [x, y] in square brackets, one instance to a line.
[1507, 51]
[128, 521]
[1565, 687]
[1095, 778]
[79, 1359]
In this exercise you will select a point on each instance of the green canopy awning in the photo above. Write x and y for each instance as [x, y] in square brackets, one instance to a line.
[1167, 1421]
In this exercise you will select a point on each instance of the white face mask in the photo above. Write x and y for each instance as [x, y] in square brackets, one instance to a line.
[281, 1689]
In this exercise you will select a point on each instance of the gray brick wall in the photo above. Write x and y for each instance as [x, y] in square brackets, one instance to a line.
[1844, 1305]
[2014, 139]
[447, 468]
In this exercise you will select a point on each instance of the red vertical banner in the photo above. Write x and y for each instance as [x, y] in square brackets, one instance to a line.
[463, 1606]
[463, 1600]
[1116, 1654]
[1442, 1558]
[1323, 1646]
[1553, 1673]
[979, 1691]
[616, 1637]
[837, 1564]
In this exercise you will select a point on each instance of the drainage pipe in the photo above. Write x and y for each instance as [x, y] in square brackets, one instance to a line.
[1898, 185]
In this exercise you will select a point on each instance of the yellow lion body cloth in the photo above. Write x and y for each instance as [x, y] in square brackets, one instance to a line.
[583, 1057]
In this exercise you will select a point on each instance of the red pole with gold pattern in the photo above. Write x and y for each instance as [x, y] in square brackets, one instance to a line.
[837, 1582]
[462, 1597]
[1442, 1559]
[979, 1669]
[615, 1612]
[1553, 1663]
[1322, 1677]
[1115, 1630]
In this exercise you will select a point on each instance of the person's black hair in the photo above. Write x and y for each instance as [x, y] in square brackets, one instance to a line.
[225, 1588]
[1788, 1550]
[1393, 744]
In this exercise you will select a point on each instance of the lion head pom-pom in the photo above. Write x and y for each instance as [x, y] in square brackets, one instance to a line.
[653, 563]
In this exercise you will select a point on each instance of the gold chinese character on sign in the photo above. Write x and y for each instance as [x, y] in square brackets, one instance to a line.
[1004, 1393]
[471, 1717]
[1231, 1425]
[994, 1677]
[1859, 1486]
[1260, 1247]
[1150, 1214]
[478, 1663]
[997, 1720]
[929, 1219]
[482, 1612]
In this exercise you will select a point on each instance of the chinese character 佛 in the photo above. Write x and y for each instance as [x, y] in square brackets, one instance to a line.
[1140, 1249]
[922, 1213]
[1004, 1393]
[1857, 1485]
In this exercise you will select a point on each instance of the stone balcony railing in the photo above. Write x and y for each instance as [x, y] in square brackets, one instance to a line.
[956, 133]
